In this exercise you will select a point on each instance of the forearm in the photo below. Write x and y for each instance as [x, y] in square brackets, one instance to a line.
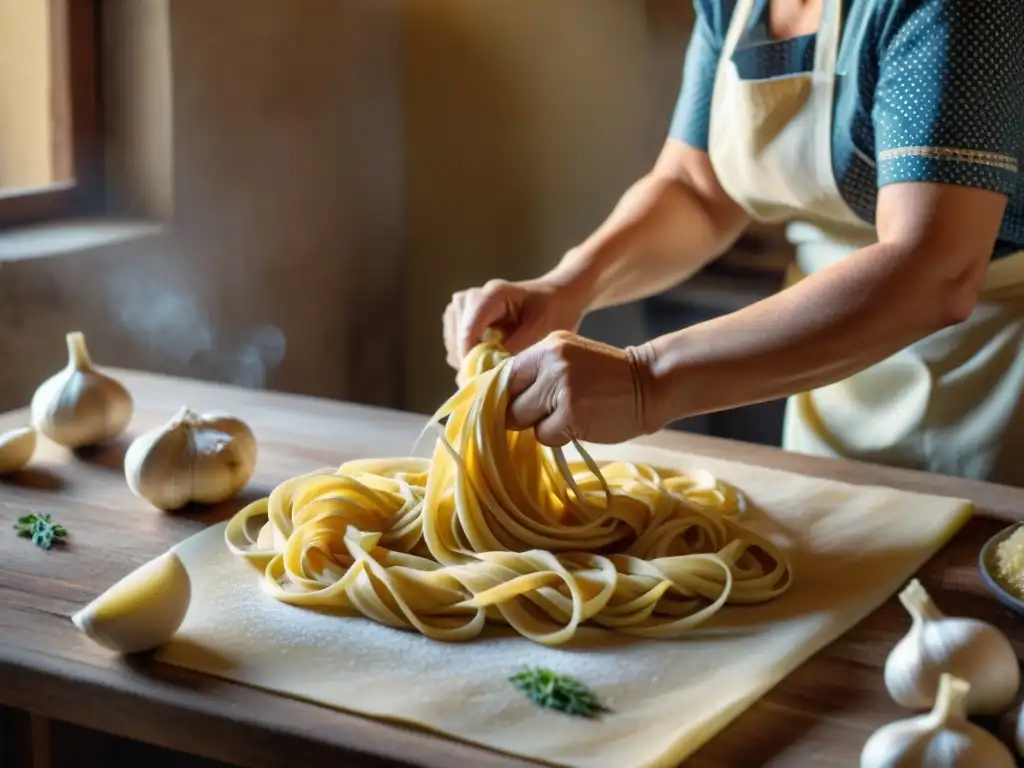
[827, 327]
[660, 233]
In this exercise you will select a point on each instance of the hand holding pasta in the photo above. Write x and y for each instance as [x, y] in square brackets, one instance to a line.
[496, 528]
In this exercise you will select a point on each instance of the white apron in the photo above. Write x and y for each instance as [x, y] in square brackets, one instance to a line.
[949, 404]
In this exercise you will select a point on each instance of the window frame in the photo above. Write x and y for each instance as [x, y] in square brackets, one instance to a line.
[76, 110]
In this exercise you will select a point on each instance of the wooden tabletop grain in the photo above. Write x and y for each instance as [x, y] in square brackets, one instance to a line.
[818, 716]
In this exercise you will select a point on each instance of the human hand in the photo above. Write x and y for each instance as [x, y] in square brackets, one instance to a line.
[522, 312]
[571, 388]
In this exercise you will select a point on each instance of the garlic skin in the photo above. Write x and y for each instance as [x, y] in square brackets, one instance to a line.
[942, 738]
[141, 611]
[16, 449]
[79, 406]
[203, 458]
[969, 649]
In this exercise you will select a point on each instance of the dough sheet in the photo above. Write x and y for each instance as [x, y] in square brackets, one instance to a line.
[851, 547]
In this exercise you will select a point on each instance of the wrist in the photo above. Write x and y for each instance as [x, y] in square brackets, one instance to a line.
[576, 278]
[659, 383]
[651, 412]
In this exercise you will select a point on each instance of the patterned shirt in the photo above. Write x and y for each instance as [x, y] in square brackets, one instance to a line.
[926, 90]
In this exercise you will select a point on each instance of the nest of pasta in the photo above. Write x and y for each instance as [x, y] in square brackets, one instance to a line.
[496, 528]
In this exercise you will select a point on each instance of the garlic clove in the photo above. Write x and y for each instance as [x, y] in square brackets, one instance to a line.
[942, 738]
[141, 611]
[16, 449]
[225, 457]
[194, 458]
[79, 406]
[969, 649]
[156, 467]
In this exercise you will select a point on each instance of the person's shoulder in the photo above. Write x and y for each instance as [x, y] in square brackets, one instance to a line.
[908, 18]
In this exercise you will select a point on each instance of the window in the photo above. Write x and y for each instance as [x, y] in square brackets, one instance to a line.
[50, 150]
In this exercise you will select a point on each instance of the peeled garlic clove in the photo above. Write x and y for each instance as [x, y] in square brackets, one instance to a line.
[16, 449]
[142, 611]
[203, 458]
[79, 406]
[943, 738]
[969, 649]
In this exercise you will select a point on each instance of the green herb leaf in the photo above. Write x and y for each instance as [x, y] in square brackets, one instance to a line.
[559, 692]
[41, 529]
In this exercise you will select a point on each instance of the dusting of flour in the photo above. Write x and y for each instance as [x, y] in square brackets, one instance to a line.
[668, 697]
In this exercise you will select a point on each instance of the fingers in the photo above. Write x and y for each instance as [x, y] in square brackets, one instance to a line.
[470, 313]
[450, 324]
[537, 396]
[446, 332]
[526, 369]
[555, 431]
[544, 407]
[521, 337]
[531, 407]
[529, 397]
[489, 306]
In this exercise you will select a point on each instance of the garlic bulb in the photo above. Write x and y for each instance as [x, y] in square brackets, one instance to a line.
[79, 406]
[969, 649]
[16, 449]
[943, 738]
[204, 458]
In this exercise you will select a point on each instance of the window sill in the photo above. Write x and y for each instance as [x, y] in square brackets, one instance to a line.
[72, 236]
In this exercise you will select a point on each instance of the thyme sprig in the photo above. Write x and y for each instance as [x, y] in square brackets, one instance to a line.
[41, 529]
[553, 690]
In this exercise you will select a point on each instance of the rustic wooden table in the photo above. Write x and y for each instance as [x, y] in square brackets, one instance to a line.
[819, 716]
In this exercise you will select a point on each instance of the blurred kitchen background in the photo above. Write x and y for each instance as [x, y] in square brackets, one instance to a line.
[285, 194]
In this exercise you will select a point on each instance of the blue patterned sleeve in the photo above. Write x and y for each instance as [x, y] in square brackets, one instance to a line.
[949, 103]
[692, 117]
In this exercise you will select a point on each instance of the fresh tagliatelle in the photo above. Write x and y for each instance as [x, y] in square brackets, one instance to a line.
[498, 528]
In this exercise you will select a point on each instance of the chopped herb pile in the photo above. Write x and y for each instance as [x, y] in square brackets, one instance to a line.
[41, 529]
[559, 692]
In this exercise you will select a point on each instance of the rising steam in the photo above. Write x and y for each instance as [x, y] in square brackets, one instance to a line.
[157, 307]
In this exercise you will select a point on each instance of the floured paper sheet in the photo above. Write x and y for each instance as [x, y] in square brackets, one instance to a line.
[851, 548]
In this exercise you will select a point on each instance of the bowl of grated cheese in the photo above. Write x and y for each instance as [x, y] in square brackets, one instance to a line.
[1001, 563]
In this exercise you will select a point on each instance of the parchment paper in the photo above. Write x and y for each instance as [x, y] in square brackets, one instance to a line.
[852, 548]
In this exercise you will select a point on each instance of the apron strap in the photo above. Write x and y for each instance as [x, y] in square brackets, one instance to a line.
[740, 17]
[826, 43]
